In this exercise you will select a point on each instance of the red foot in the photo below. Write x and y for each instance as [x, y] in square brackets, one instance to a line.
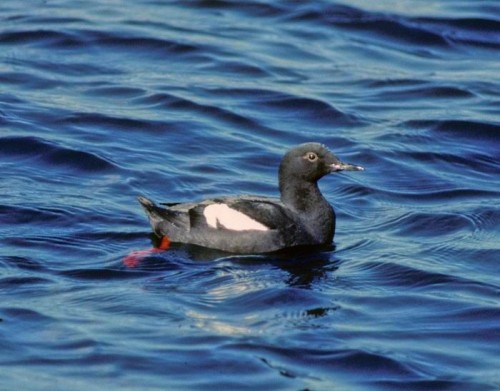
[164, 243]
[135, 257]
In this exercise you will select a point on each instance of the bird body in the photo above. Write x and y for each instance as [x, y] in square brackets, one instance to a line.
[255, 224]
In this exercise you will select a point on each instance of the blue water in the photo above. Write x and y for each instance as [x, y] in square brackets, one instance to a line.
[179, 101]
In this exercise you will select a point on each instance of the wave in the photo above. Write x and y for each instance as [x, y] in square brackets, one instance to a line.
[253, 8]
[394, 274]
[52, 154]
[34, 215]
[94, 38]
[109, 122]
[216, 113]
[390, 28]
[391, 91]
[473, 130]
[425, 32]
[41, 37]
[482, 32]
[23, 263]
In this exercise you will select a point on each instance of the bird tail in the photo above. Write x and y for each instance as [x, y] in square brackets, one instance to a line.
[154, 212]
[148, 205]
[165, 220]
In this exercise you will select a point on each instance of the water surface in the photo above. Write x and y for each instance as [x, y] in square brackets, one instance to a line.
[103, 101]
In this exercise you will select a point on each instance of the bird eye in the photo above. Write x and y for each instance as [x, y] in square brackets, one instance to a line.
[311, 156]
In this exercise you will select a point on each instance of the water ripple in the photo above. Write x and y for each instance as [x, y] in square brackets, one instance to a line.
[51, 154]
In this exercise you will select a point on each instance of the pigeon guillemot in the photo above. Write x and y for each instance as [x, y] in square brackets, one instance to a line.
[253, 224]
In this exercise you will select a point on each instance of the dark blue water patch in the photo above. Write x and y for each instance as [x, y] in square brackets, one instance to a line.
[307, 109]
[24, 285]
[79, 160]
[64, 70]
[479, 254]
[236, 68]
[41, 37]
[52, 154]
[109, 122]
[21, 146]
[337, 363]
[469, 130]
[353, 193]
[285, 372]
[217, 114]
[432, 224]
[436, 174]
[27, 325]
[267, 112]
[45, 20]
[243, 8]
[23, 263]
[477, 32]
[251, 371]
[89, 274]
[34, 215]
[23, 314]
[440, 160]
[399, 93]
[395, 274]
[115, 91]
[162, 100]
[391, 83]
[469, 161]
[8, 99]
[28, 80]
[385, 27]
[93, 41]
[267, 107]
[25, 114]
[374, 365]
[249, 94]
[152, 47]
[478, 317]
[71, 244]
[485, 218]
[476, 144]
[425, 385]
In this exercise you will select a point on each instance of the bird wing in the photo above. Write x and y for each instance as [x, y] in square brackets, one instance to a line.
[241, 213]
[268, 212]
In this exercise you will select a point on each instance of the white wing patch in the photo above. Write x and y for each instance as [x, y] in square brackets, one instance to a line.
[221, 214]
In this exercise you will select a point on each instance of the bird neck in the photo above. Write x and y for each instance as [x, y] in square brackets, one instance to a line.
[314, 211]
[303, 196]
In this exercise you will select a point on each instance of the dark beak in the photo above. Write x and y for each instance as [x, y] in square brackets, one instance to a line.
[345, 167]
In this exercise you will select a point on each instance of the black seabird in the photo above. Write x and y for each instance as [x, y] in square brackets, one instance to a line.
[253, 224]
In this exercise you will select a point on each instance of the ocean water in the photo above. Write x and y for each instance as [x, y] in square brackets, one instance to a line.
[182, 100]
